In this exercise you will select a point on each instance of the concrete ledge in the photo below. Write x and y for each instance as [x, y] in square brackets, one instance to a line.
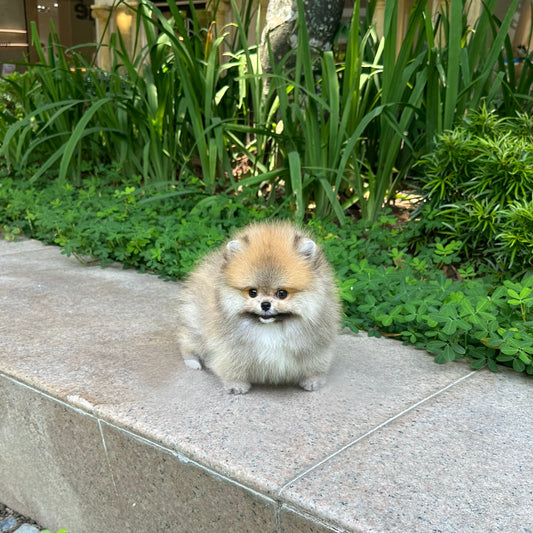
[103, 428]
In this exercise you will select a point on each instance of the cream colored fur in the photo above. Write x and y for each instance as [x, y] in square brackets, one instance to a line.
[270, 337]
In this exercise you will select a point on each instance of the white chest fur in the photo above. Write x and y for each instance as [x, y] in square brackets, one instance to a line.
[272, 352]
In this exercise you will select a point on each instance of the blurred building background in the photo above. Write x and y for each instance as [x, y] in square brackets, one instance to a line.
[88, 21]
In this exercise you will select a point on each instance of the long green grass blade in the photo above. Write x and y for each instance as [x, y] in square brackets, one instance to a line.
[454, 61]
[295, 174]
[77, 135]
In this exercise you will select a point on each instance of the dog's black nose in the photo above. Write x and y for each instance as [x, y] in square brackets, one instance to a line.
[265, 306]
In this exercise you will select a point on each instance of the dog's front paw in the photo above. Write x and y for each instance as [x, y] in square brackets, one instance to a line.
[193, 363]
[313, 383]
[238, 387]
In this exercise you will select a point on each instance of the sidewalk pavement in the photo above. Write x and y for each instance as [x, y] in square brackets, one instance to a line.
[103, 428]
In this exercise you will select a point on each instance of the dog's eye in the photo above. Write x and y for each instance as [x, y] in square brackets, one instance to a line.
[281, 294]
[252, 293]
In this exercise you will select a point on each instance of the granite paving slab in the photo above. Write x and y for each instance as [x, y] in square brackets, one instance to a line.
[458, 462]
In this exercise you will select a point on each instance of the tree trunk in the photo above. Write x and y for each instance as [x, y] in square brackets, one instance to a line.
[322, 18]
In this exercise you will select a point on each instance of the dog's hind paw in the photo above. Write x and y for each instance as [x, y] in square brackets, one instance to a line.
[237, 387]
[313, 383]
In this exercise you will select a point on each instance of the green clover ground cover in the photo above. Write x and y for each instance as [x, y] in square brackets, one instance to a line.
[385, 289]
[163, 233]
[339, 133]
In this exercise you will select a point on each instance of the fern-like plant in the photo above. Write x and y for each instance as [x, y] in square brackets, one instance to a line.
[478, 188]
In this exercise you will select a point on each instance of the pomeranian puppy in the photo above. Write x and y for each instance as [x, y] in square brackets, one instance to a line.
[261, 309]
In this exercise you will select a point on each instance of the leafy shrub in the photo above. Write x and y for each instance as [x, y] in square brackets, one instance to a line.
[516, 237]
[478, 185]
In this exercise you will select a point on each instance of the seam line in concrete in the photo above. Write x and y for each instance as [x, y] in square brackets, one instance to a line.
[48, 396]
[182, 458]
[373, 430]
[110, 468]
[315, 519]
[186, 460]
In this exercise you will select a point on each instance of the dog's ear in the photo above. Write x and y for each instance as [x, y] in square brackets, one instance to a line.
[307, 248]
